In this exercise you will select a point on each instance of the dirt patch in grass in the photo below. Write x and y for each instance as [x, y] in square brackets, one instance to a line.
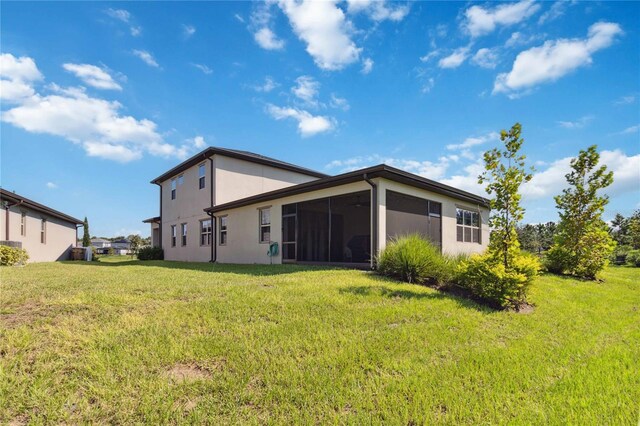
[32, 312]
[188, 372]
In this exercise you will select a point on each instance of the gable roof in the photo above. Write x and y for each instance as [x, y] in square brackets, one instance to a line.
[241, 155]
[30, 204]
[381, 170]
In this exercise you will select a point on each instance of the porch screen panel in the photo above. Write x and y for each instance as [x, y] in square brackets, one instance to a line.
[413, 215]
[313, 231]
[351, 228]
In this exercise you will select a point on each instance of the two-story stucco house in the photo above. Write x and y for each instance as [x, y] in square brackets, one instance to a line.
[46, 234]
[230, 206]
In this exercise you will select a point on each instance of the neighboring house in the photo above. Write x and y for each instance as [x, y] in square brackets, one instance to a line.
[46, 234]
[314, 218]
[101, 245]
[121, 246]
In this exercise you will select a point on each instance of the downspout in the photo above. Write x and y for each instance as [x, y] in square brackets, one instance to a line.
[160, 226]
[7, 206]
[214, 253]
[374, 219]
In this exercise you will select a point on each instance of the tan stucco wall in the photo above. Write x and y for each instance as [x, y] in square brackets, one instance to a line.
[449, 243]
[61, 235]
[243, 239]
[233, 179]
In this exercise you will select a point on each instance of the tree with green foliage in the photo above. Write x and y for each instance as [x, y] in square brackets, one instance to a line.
[582, 245]
[504, 273]
[135, 243]
[86, 238]
[504, 174]
[536, 238]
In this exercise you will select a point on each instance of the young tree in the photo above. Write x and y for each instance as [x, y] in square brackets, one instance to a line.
[504, 173]
[86, 239]
[582, 245]
[136, 243]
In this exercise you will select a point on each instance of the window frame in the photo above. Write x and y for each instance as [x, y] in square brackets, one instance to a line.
[174, 187]
[265, 225]
[23, 224]
[43, 231]
[183, 234]
[223, 230]
[202, 178]
[208, 235]
[471, 228]
[174, 235]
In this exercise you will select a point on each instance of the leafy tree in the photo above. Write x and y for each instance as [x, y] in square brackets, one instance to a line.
[504, 173]
[626, 230]
[136, 243]
[536, 238]
[86, 238]
[582, 245]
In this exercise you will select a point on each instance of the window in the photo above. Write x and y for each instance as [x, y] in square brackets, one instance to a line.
[183, 234]
[173, 188]
[180, 179]
[173, 235]
[265, 225]
[23, 224]
[468, 226]
[201, 176]
[43, 231]
[205, 232]
[223, 230]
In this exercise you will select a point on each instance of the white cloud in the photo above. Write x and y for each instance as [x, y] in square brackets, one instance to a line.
[17, 77]
[308, 125]
[188, 30]
[339, 103]
[486, 58]
[378, 10]
[324, 28]
[555, 59]
[239, 18]
[306, 88]
[199, 142]
[367, 66]
[630, 130]
[51, 185]
[202, 67]
[455, 59]
[428, 85]
[474, 141]
[124, 16]
[625, 100]
[428, 169]
[146, 57]
[577, 124]
[480, 20]
[93, 76]
[268, 40]
[468, 181]
[550, 182]
[429, 56]
[556, 10]
[268, 85]
[95, 124]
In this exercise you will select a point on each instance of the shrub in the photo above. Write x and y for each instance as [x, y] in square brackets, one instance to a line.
[633, 258]
[486, 277]
[413, 259]
[150, 253]
[12, 256]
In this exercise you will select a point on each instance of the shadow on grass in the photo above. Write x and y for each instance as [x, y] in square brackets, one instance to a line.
[228, 268]
[408, 294]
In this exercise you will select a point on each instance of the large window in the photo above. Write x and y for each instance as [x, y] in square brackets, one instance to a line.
[413, 215]
[173, 235]
[23, 224]
[223, 230]
[201, 176]
[43, 231]
[265, 225]
[468, 226]
[174, 184]
[335, 229]
[205, 232]
[183, 234]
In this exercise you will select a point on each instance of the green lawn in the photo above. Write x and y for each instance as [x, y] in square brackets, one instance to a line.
[122, 341]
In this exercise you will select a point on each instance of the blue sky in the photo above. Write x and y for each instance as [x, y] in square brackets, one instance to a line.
[99, 98]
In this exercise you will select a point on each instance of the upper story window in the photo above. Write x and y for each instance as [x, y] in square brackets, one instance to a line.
[183, 234]
[205, 232]
[201, 176]
[23, 224]
[223, 230]
[43, 231]
[174, 184]
[173, 235]
[468, 226]
[265, 225]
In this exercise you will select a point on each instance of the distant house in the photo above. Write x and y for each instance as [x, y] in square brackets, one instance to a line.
[230, 206]
[121, 246]
[101, 245]
[46, 234]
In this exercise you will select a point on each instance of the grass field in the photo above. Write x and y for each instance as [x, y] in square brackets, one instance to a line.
[121, 341]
